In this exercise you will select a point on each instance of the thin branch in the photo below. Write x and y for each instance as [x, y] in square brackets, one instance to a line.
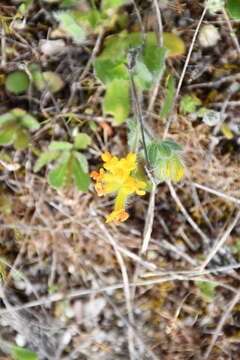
[159, 22]
[217, 193]
[127, 293]
[220, 242]
[232, 33]
[184, 71]
[150, 215]
[223, 319]
[132, 57]
[78, 293]
[205, 239]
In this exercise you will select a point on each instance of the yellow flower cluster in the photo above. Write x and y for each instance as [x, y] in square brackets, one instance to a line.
[115, 176]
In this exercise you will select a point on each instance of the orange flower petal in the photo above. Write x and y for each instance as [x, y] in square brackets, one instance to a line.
[117, 216]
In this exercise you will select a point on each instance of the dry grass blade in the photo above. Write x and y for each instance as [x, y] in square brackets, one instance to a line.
[221, 241]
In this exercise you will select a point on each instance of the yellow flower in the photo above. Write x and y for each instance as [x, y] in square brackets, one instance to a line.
[117, 178]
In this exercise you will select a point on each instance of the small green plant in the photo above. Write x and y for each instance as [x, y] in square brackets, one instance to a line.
[71, 165]
[17, 82]
[189, 104]
[110, 68]
[15, 128]
[207, 289]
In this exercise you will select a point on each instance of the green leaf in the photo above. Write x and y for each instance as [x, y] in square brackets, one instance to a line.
[109, 69]
[60, 145]
[70, 26]
[173, 146]
[189, 104]
[82, 180]
[158, 150]
[37, 76]
[174, 44]
[233, 8]
[53, 81]
[142, 76]
[169, 169]
[168, 102]
[5, 118]
[58, 176]
[17, 82]
[7, 135]
[112, 4]
[22, 354]
[44, 159]
[82, 160]
[81, 141]
[116, 101]
[154, 59]
[22, 140]
[68, 3]
[207, 288]
[30, 122]
[134, 135]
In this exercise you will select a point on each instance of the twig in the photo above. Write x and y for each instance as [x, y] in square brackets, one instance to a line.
[78, 293]
[159, 22]
[217, 193]
[194, 272]
[150, 215]
[216, 83]
[224, 317]
[220, 242]
[184, 71]
[132, 57]
[126, 287]
[205, 239]
[138, 111]
[232, 33]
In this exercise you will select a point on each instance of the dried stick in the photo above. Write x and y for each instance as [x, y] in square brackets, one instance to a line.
[127, 293]
[184, 71]
[224, 317]
[78, 293]
[232, 33]
[205, 239]
[220, 242]
[217, 193]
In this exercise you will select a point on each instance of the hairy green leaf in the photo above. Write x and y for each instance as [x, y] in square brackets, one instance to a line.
[168, 102]
[81, 141]
[44, 159]
[82, 179]
[59, 146]
[57, 177]
[116, 101]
